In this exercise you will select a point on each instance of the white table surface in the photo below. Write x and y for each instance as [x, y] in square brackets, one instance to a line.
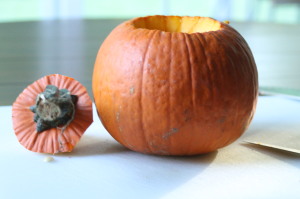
[99, 167]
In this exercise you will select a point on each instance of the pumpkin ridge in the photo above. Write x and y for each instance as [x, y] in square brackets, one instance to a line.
[193, 97]
[169, 79]
[206, 65]
[80, 126]
[154, 32]
[76, 131]
[210, 87]
[53, 140]
[46, 80]
[30, 143]
[40, 142]
[245, 52]
[33, 91]
[72, 86]
[219, 71]
[190, 69]
[231, 58]
[210, 69]
[57, 82]
[39, 84]
[249, 56]
[23, 135]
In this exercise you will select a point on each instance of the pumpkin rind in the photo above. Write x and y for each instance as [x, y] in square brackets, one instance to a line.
[54, 140]
[175, 93]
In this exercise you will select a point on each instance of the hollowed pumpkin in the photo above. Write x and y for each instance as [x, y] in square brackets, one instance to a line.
[51, 114]
[173, 85]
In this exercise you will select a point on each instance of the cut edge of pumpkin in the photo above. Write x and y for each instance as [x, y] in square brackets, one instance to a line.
[177, 24]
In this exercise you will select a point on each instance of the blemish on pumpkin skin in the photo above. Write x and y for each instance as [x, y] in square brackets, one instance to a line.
[187, 115]
[159, 149]
[221, 120]
[131, 90]
[120, 129]
[130, 146]
[118, 116]
[169, 133]
[162, 152]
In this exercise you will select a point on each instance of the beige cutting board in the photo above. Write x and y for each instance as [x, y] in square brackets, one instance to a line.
[277, 124]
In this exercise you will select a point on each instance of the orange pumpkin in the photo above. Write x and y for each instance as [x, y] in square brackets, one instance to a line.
[51, 114]
[173, 85]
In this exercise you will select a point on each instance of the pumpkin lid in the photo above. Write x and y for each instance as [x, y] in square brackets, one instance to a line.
[51, 114]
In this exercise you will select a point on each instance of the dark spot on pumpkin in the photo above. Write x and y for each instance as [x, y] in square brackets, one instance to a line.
[171, 132]
[131, 90]
[187, 115]
[221, 120]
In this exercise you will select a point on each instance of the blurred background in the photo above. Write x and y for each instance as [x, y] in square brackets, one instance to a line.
[281, 11]
[42, 37]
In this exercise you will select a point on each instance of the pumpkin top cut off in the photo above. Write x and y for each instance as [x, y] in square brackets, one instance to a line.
[51, 115]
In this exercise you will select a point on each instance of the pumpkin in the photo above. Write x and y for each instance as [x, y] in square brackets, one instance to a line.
[51, 114]
[172, 85]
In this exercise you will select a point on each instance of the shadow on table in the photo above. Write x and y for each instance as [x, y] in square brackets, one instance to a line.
[94, 145]
[151, 176]
[141, 175]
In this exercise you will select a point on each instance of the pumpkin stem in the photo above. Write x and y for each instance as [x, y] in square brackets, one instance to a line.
[53, 108]
[226, 21]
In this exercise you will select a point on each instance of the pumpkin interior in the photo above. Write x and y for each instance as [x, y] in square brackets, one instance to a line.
[178, 24]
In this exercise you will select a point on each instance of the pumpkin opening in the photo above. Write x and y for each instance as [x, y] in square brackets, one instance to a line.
[177, 24]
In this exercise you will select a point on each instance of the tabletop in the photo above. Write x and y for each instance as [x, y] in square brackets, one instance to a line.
[31, 50]
[99, 167]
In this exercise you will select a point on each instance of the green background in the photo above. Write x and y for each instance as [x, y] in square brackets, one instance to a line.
[24, 10]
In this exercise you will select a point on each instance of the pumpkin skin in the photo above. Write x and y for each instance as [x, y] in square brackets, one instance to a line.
[171, 85]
